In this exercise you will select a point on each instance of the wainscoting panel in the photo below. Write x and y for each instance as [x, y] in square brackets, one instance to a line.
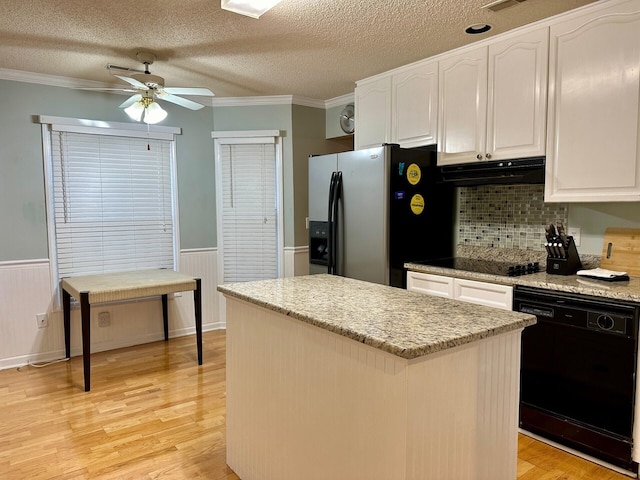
[303, 402]
[459, 398]
[25, 291]
[291, 390]
[296, 261]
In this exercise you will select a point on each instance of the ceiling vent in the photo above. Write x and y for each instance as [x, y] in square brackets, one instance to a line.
[502, 4]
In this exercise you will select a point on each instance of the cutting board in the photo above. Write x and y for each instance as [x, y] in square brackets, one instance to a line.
[621, 250]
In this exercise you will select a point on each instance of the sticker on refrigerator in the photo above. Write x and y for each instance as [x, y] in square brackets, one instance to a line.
[417, 204]
[399, 195]
[413, 174]
[400, 169]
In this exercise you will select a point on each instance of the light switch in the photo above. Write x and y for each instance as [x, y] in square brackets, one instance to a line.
[575, 233]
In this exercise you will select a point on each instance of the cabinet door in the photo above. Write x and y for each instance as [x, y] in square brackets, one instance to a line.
[593, 127]
[415, 106]
[430, 284]
[463, 106]
[483, 293]
[373, 113]
[517, 96]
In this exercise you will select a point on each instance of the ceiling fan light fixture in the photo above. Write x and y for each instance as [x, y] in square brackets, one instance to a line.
[135, 110]
[154, 113]
[147, 106]
[250, 8]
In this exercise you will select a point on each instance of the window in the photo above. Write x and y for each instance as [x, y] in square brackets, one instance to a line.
[111, 197]
[249, 199]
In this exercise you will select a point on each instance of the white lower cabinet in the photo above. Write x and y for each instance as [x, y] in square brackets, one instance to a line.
[472, 291]
[430, 284]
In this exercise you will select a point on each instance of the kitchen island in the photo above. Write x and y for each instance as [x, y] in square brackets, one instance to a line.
[329, 377]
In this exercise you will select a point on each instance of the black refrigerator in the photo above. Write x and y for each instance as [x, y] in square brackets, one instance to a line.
[373, 210]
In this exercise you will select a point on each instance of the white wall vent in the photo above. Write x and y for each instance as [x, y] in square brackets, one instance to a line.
[502, 4]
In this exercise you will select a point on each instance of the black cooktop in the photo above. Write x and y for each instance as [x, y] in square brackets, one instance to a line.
[483, 266]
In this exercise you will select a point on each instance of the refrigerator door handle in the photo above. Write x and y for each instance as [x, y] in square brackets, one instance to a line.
[330, 258]
[337, 195]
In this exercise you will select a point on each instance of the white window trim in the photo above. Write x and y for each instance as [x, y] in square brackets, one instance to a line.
[83, 125]
[249, 137]
[98, 127]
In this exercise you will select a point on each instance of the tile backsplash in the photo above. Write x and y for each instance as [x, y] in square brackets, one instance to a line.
[506, 216]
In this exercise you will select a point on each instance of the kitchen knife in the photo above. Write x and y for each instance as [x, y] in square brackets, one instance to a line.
[554, 241]
[561, 250]
[547, 233]
[562, 234]
[550, 252]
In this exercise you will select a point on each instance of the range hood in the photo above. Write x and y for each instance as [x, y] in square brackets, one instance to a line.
[499, 172]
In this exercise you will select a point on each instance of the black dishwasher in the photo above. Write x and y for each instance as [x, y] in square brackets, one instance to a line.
[578, 369]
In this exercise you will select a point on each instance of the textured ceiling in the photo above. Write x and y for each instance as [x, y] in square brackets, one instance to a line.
[310, 48]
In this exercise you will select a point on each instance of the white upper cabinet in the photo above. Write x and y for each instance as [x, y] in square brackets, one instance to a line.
[517, 96]
[492, 101]
[373, 113]
[593, 149]
[463, 107]
[402, 108]
[415, 105]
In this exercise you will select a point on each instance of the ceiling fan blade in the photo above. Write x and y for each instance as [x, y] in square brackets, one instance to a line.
[133, 82]
[204, 92]
[99, 89]
[183, 102]
[131, 100]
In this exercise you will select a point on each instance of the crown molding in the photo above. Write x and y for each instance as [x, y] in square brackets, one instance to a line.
[68, 82]
[340, 101]
[282, 100]
[267, 100]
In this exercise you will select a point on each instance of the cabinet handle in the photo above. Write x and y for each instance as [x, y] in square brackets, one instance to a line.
[479, 156]
[488, 155]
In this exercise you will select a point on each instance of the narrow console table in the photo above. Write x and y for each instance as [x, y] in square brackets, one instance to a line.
[113, 287]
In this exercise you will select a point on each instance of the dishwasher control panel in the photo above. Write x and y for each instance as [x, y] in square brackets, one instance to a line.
[608, 322]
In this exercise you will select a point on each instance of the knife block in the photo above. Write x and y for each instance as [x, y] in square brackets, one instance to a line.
[569, 264]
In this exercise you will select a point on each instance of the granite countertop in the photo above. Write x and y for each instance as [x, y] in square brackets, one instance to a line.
[625, 290]
[403, 323]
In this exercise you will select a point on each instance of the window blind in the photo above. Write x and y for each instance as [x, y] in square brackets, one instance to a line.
[113, 206]
[249, 212]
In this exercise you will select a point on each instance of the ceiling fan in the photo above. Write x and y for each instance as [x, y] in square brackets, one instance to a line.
[147, 88]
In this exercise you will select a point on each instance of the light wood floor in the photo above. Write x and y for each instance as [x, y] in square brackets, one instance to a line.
[153, 413]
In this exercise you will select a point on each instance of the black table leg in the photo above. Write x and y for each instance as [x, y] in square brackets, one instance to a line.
[66, 312]
[197, 302]
[165, 317]
[85, 312]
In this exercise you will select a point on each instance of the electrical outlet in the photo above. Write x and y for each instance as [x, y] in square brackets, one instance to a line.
[104, 319]
[42, 320]
[575, 233]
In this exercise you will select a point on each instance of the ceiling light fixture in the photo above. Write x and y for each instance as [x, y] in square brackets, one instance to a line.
[477, 28]
[153, 112]
[250, 8]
